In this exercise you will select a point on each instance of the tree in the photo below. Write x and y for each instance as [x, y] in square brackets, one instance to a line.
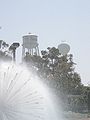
[59, 72]
[4, 52]
[56, 68]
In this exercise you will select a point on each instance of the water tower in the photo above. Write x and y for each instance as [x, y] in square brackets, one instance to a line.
[30, 45]
[64, 48]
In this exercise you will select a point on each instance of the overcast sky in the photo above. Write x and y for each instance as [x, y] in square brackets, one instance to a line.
[53, 21]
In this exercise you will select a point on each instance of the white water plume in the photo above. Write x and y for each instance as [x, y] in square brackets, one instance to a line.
[23, 96]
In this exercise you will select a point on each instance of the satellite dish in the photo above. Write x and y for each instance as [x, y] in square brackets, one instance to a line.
[64, 48]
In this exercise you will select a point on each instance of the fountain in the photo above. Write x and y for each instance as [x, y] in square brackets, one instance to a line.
[23, 96]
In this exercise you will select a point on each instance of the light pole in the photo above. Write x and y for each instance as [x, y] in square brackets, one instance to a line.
[13, 48]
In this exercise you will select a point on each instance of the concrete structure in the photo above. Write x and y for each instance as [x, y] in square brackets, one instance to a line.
[30, 45]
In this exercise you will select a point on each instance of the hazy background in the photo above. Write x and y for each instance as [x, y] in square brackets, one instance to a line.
[53, 21]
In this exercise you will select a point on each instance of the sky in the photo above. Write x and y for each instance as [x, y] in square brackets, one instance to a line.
[53, 21]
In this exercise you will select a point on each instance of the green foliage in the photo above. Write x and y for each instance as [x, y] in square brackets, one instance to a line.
[4, 51]
[60, 73]
[53, 66]
[77, 103]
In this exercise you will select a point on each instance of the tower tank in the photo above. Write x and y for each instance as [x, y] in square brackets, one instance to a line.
[64, 48]
[30, 44]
